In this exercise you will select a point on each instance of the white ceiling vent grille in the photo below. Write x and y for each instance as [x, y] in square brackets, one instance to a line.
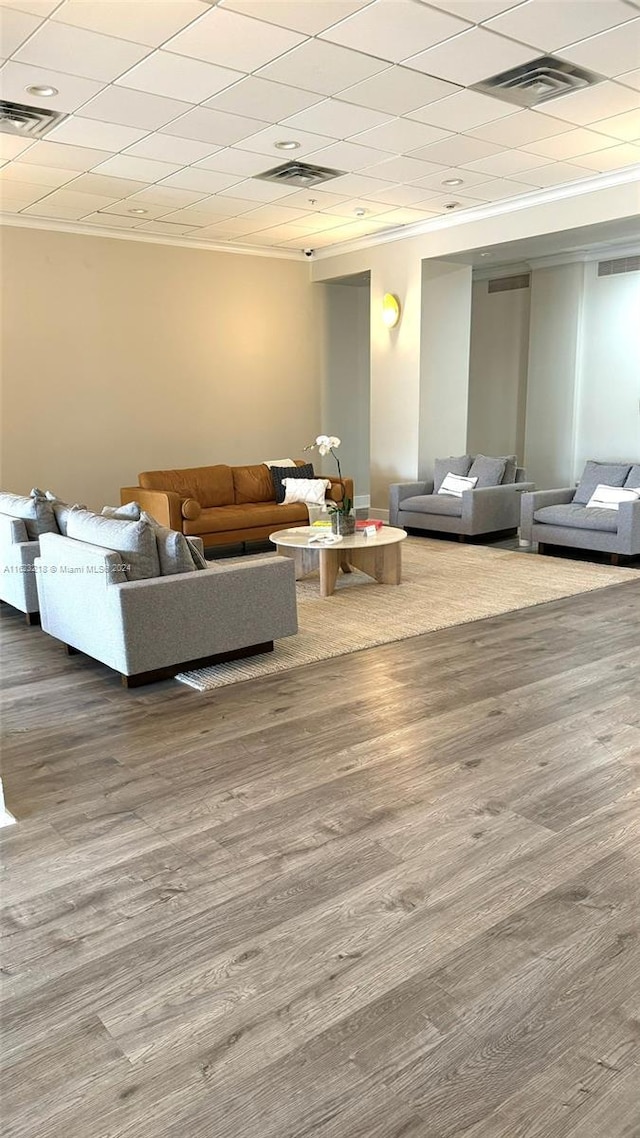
[507, 284]
[28, 122]
[619, 265]
[299, 174]
[538, 81]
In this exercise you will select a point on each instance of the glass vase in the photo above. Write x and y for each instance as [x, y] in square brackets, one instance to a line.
[342, 524]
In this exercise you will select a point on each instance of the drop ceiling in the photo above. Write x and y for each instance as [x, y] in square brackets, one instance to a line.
[174, 107]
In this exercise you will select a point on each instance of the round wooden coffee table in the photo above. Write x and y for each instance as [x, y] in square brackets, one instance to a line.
[379, 557]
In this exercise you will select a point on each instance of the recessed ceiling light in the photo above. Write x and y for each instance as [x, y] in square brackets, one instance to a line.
[453, 182]
[360, 212]
[287, 144]
[138, 211]
[485, 254]
[42, 91]
[451, 205]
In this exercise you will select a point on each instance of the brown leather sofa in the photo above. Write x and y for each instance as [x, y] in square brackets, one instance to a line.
[222, 505]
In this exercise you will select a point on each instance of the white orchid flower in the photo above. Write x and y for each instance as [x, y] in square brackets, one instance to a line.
[325, 443]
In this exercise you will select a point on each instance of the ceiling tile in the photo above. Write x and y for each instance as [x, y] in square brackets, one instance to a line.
[273, 100]
[336, 119]
[404, 169]
[215, 206]
[207, 181]
[38, 175]
[166, 228]
[520, 128]
[231, 40]
[15, 28]
[188, 216]
[216, 127]
[361, 184]
[610, 53]
[625, 127]
[135, 20]
[441, 203]
[21, 194]
[394, 29]
[133, 108]
[400, 136]
[505, 165]
[456, 150]
[588, 106]
[264, 141]
[350, 207]
[498, 188]
[233, 161]
[127, 207]
[170, 198]
[166, 148]
[178, 77]
[42, 8]
[139, 169]
[273, 215]
[471, 56]
[68, 203]
[231, 226]
[78, 158]
[315, 199]
[308, 16]
[631, 79]
[469, 179]
[347, 156]
[614, 158]
[478, 11]
[10, 146]
[109, 221]
[398, 195]
[397, 91]
[554, 174]
[113, 188]
[257, 191]
[77, 52]
[77, 131]
[575, 142]
[549, 26]
[463, 111]
[72, 91]
[322, 67]
[406, 216]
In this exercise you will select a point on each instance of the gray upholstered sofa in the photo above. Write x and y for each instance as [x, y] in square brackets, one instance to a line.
[150, 620]
[486, 509]
[562, 518]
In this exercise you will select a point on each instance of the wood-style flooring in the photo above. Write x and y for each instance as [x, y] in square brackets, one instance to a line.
[392, 895]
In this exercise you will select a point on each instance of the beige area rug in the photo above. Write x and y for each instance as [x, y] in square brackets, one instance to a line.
[443, 584]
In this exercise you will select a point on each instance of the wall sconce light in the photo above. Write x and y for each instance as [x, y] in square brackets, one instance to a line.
[390, 310]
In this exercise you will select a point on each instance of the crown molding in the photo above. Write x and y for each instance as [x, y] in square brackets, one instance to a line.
[20, 221]
[604, 252]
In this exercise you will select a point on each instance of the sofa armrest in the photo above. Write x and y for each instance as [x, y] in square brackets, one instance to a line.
[339, 488]
[492, 508]
[398, 491]
[163, 505]
[17, 569]
[535, 501]
[629, 528]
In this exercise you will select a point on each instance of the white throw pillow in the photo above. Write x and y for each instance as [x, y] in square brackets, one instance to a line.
[609, 497]
[454, 484]
[278, 462]
[305, 490]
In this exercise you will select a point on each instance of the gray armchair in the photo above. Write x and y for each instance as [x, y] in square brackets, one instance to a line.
[484, 510]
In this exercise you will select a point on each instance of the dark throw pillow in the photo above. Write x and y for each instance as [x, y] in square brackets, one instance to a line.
[279, 473]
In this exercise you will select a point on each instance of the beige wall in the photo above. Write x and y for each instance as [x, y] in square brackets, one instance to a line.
[120, 356]
[498, 370]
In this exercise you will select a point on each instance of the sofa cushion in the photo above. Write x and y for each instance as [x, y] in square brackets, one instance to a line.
[134, 541]
[176, 554]
[510, 468]
[252, 484]
[575, 516]
[452, 465]
[228, 519]
[209, 485]
[36, 513]
[609, 473]
[433, 504]
[632, 481]
[279, 473]
[488, 471]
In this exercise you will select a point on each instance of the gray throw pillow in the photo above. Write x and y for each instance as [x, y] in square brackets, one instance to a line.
[488, 471]
[134, 541]
[453, 465]
[36, 513]
[61, 510]
[175, 553]
[595, 473]
[510, 468]
[633, 478]
[131, 512]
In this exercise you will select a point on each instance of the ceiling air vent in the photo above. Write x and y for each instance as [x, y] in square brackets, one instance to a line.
[299, 174]
[507, 284]
[538, 81]
[619, 265]
[28, 122]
